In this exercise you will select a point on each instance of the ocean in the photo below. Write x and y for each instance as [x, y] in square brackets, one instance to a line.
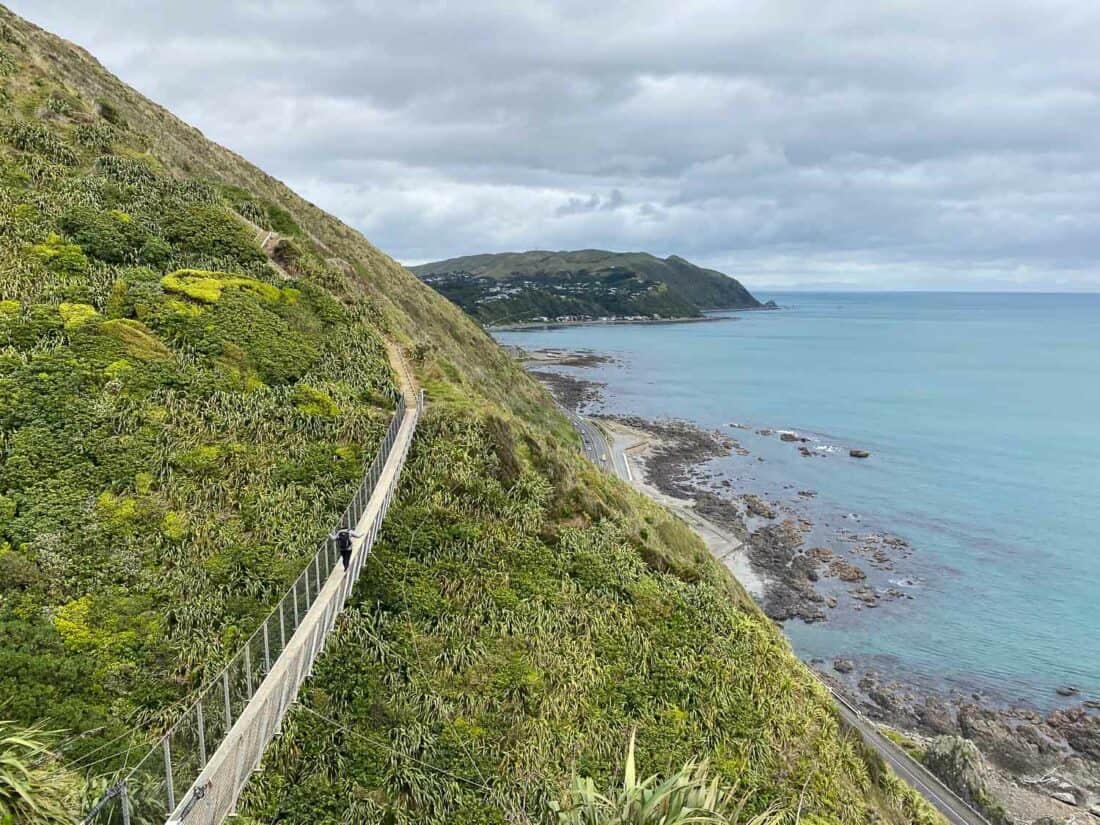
[980, 412]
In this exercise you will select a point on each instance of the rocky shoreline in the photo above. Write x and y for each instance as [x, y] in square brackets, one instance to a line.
[1015, 763]
[572, 393]
[565, 358]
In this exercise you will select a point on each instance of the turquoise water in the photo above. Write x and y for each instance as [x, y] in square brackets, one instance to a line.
[981, 415]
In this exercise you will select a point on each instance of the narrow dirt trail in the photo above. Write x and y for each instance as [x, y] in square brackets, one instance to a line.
[410, 387]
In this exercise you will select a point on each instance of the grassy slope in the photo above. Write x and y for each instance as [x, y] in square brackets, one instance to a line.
[165, 470]
[170, 454]
[705, 288]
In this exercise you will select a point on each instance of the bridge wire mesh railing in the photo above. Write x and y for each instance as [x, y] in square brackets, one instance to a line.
[152, 789]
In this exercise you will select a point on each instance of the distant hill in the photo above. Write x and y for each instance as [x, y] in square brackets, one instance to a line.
[587, 284]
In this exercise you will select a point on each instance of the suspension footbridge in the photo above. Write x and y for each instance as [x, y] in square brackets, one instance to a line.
[196, 771]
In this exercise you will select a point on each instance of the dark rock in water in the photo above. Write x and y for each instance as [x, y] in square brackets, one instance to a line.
[935, 715]
[959, 764]
[845, 571]
[765, 432]
[785, 602]
[788, 437]
[1017, 746]
[1067, 690]
[776, 549]
[823, 554]
[866, 595]
[571, 392]
[859, 454]
[891, 701]
[1080, 729]
[756, 506]
[806, 452]
[844, 665]
[887, 699]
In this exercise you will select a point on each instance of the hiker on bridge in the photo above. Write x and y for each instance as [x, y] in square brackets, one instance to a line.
[343, 538]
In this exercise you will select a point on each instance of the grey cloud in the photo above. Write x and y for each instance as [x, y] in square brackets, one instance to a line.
[789, 142]
[593, 203]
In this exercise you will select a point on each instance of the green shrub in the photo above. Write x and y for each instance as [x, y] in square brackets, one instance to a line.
[205, 286]
[137, 339]
[260, 211]
[114, 237]
[252, 211]
[25, 328]
[313, 402]
[76, 315]
[281, 220]
[276, 350]
[59, 105]
[209, 231]
[201, 460]
[287, 254]
[60, 256]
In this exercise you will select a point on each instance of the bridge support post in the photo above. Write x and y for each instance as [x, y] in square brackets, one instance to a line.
[169, 785]
[202, 733]
[228, 706]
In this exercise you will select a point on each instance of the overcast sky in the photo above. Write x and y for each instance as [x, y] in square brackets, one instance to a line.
[801, 143]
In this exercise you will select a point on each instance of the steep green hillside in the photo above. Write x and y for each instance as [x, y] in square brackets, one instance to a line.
[513, 287]
[187, 400]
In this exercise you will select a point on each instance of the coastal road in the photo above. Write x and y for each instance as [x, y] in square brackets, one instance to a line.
[610, 456]
[942, 798]
[595, 443]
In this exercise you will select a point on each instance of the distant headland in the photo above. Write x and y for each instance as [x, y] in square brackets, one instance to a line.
[583, 286]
